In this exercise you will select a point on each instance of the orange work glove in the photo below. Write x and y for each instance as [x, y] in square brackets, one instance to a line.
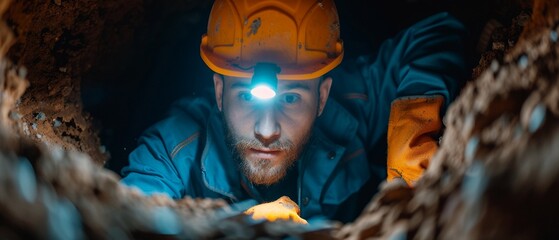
[283, 208]
[413, 130]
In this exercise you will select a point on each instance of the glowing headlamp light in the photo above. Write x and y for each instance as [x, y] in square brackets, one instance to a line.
[265, 80]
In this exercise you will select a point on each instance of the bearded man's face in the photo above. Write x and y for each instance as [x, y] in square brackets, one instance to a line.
[269, 135]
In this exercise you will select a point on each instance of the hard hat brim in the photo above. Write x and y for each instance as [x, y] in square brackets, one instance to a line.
[288, 71]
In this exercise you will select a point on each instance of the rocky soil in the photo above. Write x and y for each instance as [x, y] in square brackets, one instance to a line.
[57, 52]
[496, 175]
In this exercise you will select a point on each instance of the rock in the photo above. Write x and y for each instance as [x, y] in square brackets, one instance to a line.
[40, 116]
[493, 176]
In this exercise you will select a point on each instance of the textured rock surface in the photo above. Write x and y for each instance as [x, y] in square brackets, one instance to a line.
[58, 51]
[496, 175]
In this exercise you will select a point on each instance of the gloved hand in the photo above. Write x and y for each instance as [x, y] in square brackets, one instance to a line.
[283, 208]
[413, 130]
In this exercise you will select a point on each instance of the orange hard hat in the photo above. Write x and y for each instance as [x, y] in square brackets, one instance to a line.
[302, 37]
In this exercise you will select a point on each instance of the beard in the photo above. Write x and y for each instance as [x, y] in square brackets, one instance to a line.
[264, 171]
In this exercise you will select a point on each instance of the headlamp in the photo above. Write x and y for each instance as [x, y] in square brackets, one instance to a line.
[265, 80]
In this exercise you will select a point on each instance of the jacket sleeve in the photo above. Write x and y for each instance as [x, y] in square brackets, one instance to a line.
[151, 169]
[424, 60]
[165, 159]
[431, 67]
[432, 59]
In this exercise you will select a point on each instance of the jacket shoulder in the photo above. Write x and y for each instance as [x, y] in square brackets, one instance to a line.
[184, 125]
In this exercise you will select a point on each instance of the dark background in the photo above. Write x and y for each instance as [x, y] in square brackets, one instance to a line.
[133, 88]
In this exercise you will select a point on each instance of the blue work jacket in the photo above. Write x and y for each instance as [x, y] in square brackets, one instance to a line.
[186, 154]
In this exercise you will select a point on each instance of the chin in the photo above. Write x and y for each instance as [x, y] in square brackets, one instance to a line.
[264, 171]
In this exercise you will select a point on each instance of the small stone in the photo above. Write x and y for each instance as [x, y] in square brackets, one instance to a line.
[25, 129]
[34, 126]
[57, 153]
[536, 118]
[39, 136]
[62, 69]
[553, 36]
[471, 148]
[56, 122]
[26, 181]
[15, 116]
[494, 66]
[40, 116]
[474, 183]
[468, 126]
[58, 2]
[22, 72]
[523, 62]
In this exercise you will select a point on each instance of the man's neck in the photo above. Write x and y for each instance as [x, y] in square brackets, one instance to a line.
[287, 186]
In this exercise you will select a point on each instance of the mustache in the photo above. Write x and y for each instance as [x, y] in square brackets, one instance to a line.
[243, 143]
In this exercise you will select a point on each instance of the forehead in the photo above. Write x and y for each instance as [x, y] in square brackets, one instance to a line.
[309, 84]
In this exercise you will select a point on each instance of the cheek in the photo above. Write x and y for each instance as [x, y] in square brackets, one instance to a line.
[296, 125]
[239, 120]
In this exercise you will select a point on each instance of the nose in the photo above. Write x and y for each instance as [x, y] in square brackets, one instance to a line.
[267, 129]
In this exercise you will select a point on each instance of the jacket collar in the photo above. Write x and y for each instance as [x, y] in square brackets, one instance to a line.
[336, 123]
[220, 171]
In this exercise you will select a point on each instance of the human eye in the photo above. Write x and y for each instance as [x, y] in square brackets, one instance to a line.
[290, 98]
[246, 97]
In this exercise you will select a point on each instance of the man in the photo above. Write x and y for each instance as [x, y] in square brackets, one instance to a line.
[275, 132]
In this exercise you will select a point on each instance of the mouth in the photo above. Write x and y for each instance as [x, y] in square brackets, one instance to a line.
[264, 153]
